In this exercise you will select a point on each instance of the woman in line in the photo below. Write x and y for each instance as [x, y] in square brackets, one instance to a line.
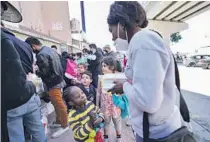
[150, 87]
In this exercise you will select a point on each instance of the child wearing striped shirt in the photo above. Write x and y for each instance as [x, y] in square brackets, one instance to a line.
[84, 116]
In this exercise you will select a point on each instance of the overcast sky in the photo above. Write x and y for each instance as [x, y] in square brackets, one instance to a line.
[97, 31]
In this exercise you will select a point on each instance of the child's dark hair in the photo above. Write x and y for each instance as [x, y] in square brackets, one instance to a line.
[88, 74]
[79, 54]
[111, 62]
[67, 93]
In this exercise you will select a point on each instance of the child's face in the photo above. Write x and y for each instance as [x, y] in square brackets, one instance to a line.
[86, 80]
[78, 98]
[81, 69]
[106, 68]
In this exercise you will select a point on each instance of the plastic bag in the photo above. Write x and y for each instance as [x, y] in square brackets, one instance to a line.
[45, 124]
[71, 69]
[98, 137]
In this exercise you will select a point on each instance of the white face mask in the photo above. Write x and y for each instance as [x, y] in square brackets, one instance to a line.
[121, 44]
[93, 50]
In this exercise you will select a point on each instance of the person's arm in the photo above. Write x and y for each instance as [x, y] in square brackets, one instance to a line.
[43, 64]
[98, 57]
[149, 69]
[13, 74]
[98, 91]
[98, 111]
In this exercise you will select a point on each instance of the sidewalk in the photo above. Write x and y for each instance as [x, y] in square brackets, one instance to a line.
[200, 114]
[127, 134]
[200, 120]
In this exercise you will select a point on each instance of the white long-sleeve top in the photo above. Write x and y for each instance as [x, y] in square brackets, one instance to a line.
[150, 66]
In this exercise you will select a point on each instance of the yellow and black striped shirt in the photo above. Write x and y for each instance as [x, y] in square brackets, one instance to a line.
[79, 121]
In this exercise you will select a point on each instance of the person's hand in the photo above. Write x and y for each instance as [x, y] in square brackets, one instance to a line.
[117, 89]
[98, 121]
[33, 78]
[92, 116]
[74, 81]
[119, 82]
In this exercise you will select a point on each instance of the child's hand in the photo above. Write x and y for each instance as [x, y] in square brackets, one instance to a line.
[117, 89]
[74, 81]
[92, 116]
[98, 121]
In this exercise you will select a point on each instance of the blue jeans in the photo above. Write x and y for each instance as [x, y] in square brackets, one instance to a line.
[27, 115]
[138, 138]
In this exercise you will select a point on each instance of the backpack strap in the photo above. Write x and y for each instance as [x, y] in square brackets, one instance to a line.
[145, 127]
[183, 106]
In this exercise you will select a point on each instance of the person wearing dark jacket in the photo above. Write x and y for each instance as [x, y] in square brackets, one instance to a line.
[23, 49]
[108, 51]
[64, 57]
[18, 98]
[94, 62]
[51, 72]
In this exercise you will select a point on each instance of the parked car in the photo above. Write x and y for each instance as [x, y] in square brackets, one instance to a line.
[194, 60]
[205, 63]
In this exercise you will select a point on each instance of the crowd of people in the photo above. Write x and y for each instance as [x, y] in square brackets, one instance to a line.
[75, 83]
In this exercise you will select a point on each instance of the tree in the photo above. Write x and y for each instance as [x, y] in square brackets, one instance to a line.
[175, 37]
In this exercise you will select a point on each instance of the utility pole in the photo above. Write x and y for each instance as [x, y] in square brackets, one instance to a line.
[83, 15]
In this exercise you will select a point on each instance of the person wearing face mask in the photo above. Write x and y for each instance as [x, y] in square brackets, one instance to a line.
[94, 61]
[108, 51]
[20, 104]
[80, 59]
[150, 85]
[51, 72]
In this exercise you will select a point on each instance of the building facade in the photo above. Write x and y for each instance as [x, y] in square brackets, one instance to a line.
[78, 36]
[46, 20]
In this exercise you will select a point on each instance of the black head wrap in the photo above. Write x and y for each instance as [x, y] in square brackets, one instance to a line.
[127, 13]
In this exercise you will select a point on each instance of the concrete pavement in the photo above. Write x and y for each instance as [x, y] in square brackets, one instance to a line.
[200, 120]
[199, 105]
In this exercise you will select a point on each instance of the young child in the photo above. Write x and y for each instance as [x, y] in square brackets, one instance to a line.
[111, 112]
[87, 87]
[82, 68]
[84, 117]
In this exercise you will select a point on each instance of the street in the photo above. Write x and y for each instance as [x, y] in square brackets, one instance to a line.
[194, 84]
[195, 79]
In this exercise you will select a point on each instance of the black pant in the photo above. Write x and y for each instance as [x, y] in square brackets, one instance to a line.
[95, 79]
[4, 130]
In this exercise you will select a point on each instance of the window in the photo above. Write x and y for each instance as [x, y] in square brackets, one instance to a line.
[198, 57]
[206, 56]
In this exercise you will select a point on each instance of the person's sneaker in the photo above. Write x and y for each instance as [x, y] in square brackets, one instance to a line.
[119, 138]
[59, 132]
[106, 139]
